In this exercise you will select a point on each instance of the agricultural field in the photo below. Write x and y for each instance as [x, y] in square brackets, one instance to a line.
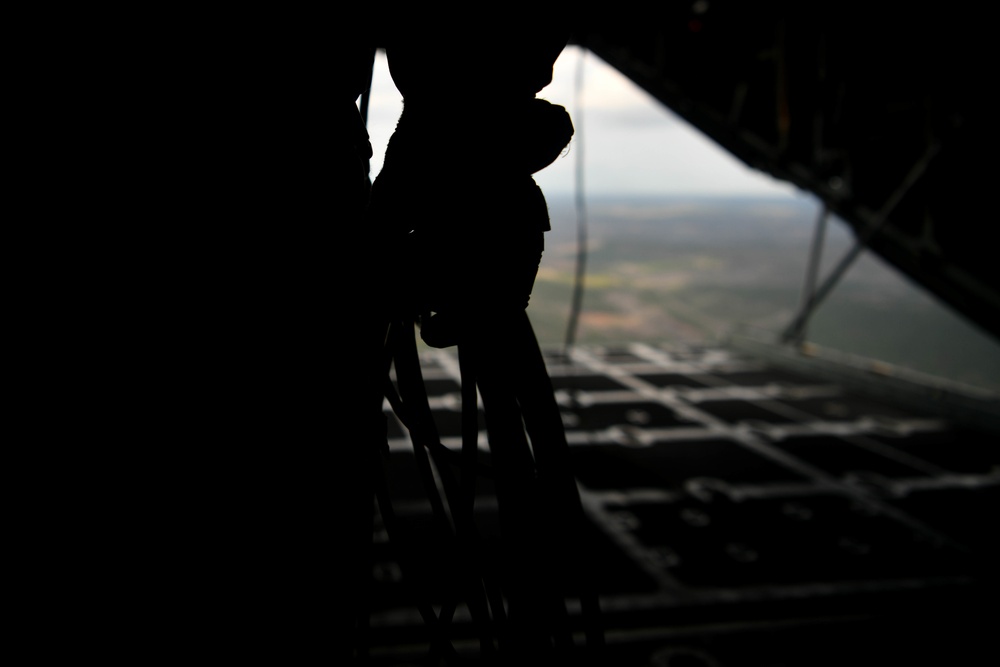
[690, 271]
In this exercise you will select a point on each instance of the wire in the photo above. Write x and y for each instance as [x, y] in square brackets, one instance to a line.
[581, 209]
[861, 243]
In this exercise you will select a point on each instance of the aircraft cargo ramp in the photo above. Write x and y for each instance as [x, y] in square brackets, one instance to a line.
[747, 511]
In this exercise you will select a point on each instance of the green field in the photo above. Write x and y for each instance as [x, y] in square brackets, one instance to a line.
[662, 273]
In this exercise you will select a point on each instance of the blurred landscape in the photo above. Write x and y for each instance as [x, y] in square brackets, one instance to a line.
[692, 270]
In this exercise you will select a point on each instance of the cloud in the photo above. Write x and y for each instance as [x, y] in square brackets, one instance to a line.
[630, 118]
[631, 143]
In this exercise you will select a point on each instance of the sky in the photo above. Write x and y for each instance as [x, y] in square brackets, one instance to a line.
[631, 144]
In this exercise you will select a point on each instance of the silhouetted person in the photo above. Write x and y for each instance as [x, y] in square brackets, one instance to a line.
[463, 221]
[458, 168]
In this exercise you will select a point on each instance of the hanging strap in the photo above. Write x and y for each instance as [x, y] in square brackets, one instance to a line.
[413, 408]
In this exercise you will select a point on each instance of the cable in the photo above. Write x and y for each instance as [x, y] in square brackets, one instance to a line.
[581, 210]
[861, 243]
